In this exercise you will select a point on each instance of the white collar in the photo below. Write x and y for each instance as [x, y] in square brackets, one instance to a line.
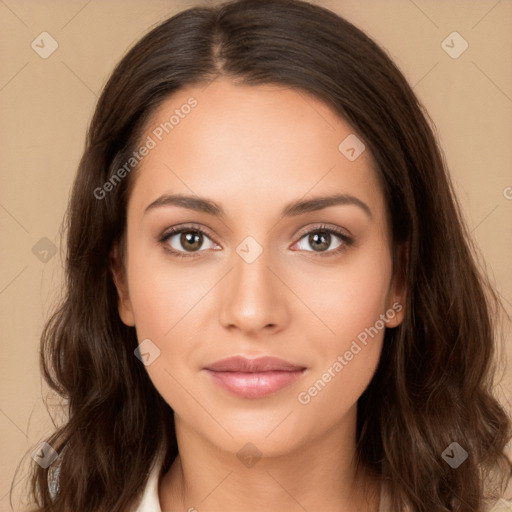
[149, 501]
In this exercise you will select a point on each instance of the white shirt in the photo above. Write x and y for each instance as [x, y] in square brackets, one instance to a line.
[149, 501]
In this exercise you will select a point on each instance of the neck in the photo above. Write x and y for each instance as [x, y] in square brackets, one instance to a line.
[319, 475]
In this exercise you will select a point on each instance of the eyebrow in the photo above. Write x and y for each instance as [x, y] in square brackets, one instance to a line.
[292, 209]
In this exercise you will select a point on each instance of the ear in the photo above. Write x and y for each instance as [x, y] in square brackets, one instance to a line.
[118, 273]
[397, 294]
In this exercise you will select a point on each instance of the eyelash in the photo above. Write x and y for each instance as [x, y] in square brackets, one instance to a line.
[346, 240]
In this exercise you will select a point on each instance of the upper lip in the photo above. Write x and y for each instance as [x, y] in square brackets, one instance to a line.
[260, 364]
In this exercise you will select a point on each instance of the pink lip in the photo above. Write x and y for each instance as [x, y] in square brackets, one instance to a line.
[254, 378]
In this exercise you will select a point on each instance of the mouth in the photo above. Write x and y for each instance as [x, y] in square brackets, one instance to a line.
[254, 378]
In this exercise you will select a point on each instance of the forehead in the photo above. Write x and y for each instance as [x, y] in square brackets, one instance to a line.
[251, 146]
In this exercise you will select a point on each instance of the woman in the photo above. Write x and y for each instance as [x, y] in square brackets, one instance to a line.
[272, 300]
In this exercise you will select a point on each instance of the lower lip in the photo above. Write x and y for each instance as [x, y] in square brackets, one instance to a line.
[255, 385]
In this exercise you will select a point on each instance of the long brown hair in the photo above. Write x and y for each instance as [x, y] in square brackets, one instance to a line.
[434, 382]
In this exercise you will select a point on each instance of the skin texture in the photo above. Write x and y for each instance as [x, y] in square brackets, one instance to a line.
[254, 149]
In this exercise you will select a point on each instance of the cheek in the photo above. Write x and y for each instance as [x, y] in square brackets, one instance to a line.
[351, 297]
[335, 389]
[164, 292]
[165, 298]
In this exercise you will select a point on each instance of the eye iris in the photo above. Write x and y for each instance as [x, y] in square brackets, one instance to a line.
[191, 240]
[314, 238]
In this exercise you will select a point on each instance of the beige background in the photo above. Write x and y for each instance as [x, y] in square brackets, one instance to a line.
[46, 104]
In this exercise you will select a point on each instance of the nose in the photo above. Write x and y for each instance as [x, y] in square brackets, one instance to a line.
[254, 297]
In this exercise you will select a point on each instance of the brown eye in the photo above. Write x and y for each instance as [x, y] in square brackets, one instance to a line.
[320, 241]
[320, 238]
[182, 240]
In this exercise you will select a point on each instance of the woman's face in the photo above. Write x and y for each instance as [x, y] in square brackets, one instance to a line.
[267, 278]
